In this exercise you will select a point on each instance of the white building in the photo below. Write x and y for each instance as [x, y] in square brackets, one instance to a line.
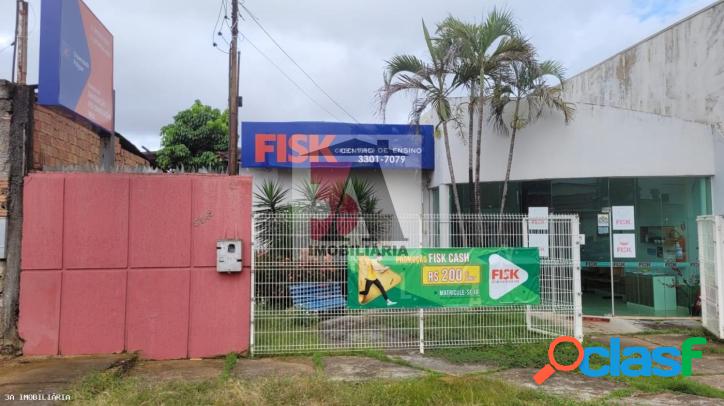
[648, 131]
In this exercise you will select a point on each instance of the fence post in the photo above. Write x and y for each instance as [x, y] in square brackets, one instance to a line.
[528, 308]
[704, 222]
[719, 273]
[252, 307]
[422, 331]
[421, 311]
[577, 294]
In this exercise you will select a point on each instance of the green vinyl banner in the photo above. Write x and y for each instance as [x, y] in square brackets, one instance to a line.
[444, 277]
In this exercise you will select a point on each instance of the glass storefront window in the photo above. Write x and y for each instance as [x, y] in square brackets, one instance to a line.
[587, 198]
[663, 278]
[666, 249]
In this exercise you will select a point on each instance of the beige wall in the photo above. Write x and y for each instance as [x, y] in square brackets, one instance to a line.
[678, 72]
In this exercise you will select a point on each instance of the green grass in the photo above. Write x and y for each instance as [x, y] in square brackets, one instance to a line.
[655, 384]
[318, 361]
[229, 364]
[109, 389]
[294, 331]
[535, 355]
[279, 331]
[95, 385]
[525, 355]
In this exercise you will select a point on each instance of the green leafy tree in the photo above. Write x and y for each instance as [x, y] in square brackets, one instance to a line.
[194, 139]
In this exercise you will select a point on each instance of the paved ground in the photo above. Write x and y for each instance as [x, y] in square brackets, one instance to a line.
[566, 385]
[361, 368]
[274, 367]
[43, 375]
[420, 361]
[627, 326]
[187, 370]
[54, 375]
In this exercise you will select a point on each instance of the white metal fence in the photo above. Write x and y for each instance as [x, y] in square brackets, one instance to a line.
[711, 266]
[294, 252]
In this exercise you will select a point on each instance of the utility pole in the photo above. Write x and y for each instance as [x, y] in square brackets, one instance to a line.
[234, 91]
[21, 41]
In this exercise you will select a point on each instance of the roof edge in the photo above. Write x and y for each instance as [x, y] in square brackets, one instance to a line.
[656, 34]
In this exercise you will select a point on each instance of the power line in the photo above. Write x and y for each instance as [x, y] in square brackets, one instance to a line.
[289, 78]
[256, 20]
[216, 26]
[223, 22]
[7, 47]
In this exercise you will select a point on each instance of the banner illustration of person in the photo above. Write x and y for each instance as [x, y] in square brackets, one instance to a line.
[375, 279]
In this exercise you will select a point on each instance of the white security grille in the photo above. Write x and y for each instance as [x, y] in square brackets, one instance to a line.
[711, 249]
[300, 283]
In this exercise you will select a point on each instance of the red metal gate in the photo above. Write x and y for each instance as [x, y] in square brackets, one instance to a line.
[127, 262]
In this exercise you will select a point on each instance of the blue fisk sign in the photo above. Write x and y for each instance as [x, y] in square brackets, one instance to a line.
[336, 145]
[76, 61]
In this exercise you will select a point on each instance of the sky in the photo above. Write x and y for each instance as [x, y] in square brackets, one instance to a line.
[164, 57]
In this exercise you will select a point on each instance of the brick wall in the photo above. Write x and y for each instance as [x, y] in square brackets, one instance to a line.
[128, 159]
[61, 141]
[58, 140]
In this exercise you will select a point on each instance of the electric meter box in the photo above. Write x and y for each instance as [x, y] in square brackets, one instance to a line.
[228, 256]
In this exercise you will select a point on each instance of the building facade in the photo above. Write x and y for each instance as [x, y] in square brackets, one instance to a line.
[647, 132]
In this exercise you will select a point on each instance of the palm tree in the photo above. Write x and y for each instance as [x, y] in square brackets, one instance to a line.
[460, 35]
[273, 218]
[484, 52]
[527, 89]
[432, 84]
[313, 197]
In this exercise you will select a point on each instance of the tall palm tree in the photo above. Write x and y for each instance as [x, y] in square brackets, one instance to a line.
[431, 82]
[484, 51]
[527, 89]
[460, 35]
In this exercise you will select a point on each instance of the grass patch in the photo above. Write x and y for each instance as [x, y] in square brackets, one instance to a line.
[535, 355]
[313, 390]
[656, 384]
[96, 385]
[294, 330]
[229, 364]
[318, 361]
[524, 355]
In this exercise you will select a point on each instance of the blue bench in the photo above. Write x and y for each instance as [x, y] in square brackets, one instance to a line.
[317, 297]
